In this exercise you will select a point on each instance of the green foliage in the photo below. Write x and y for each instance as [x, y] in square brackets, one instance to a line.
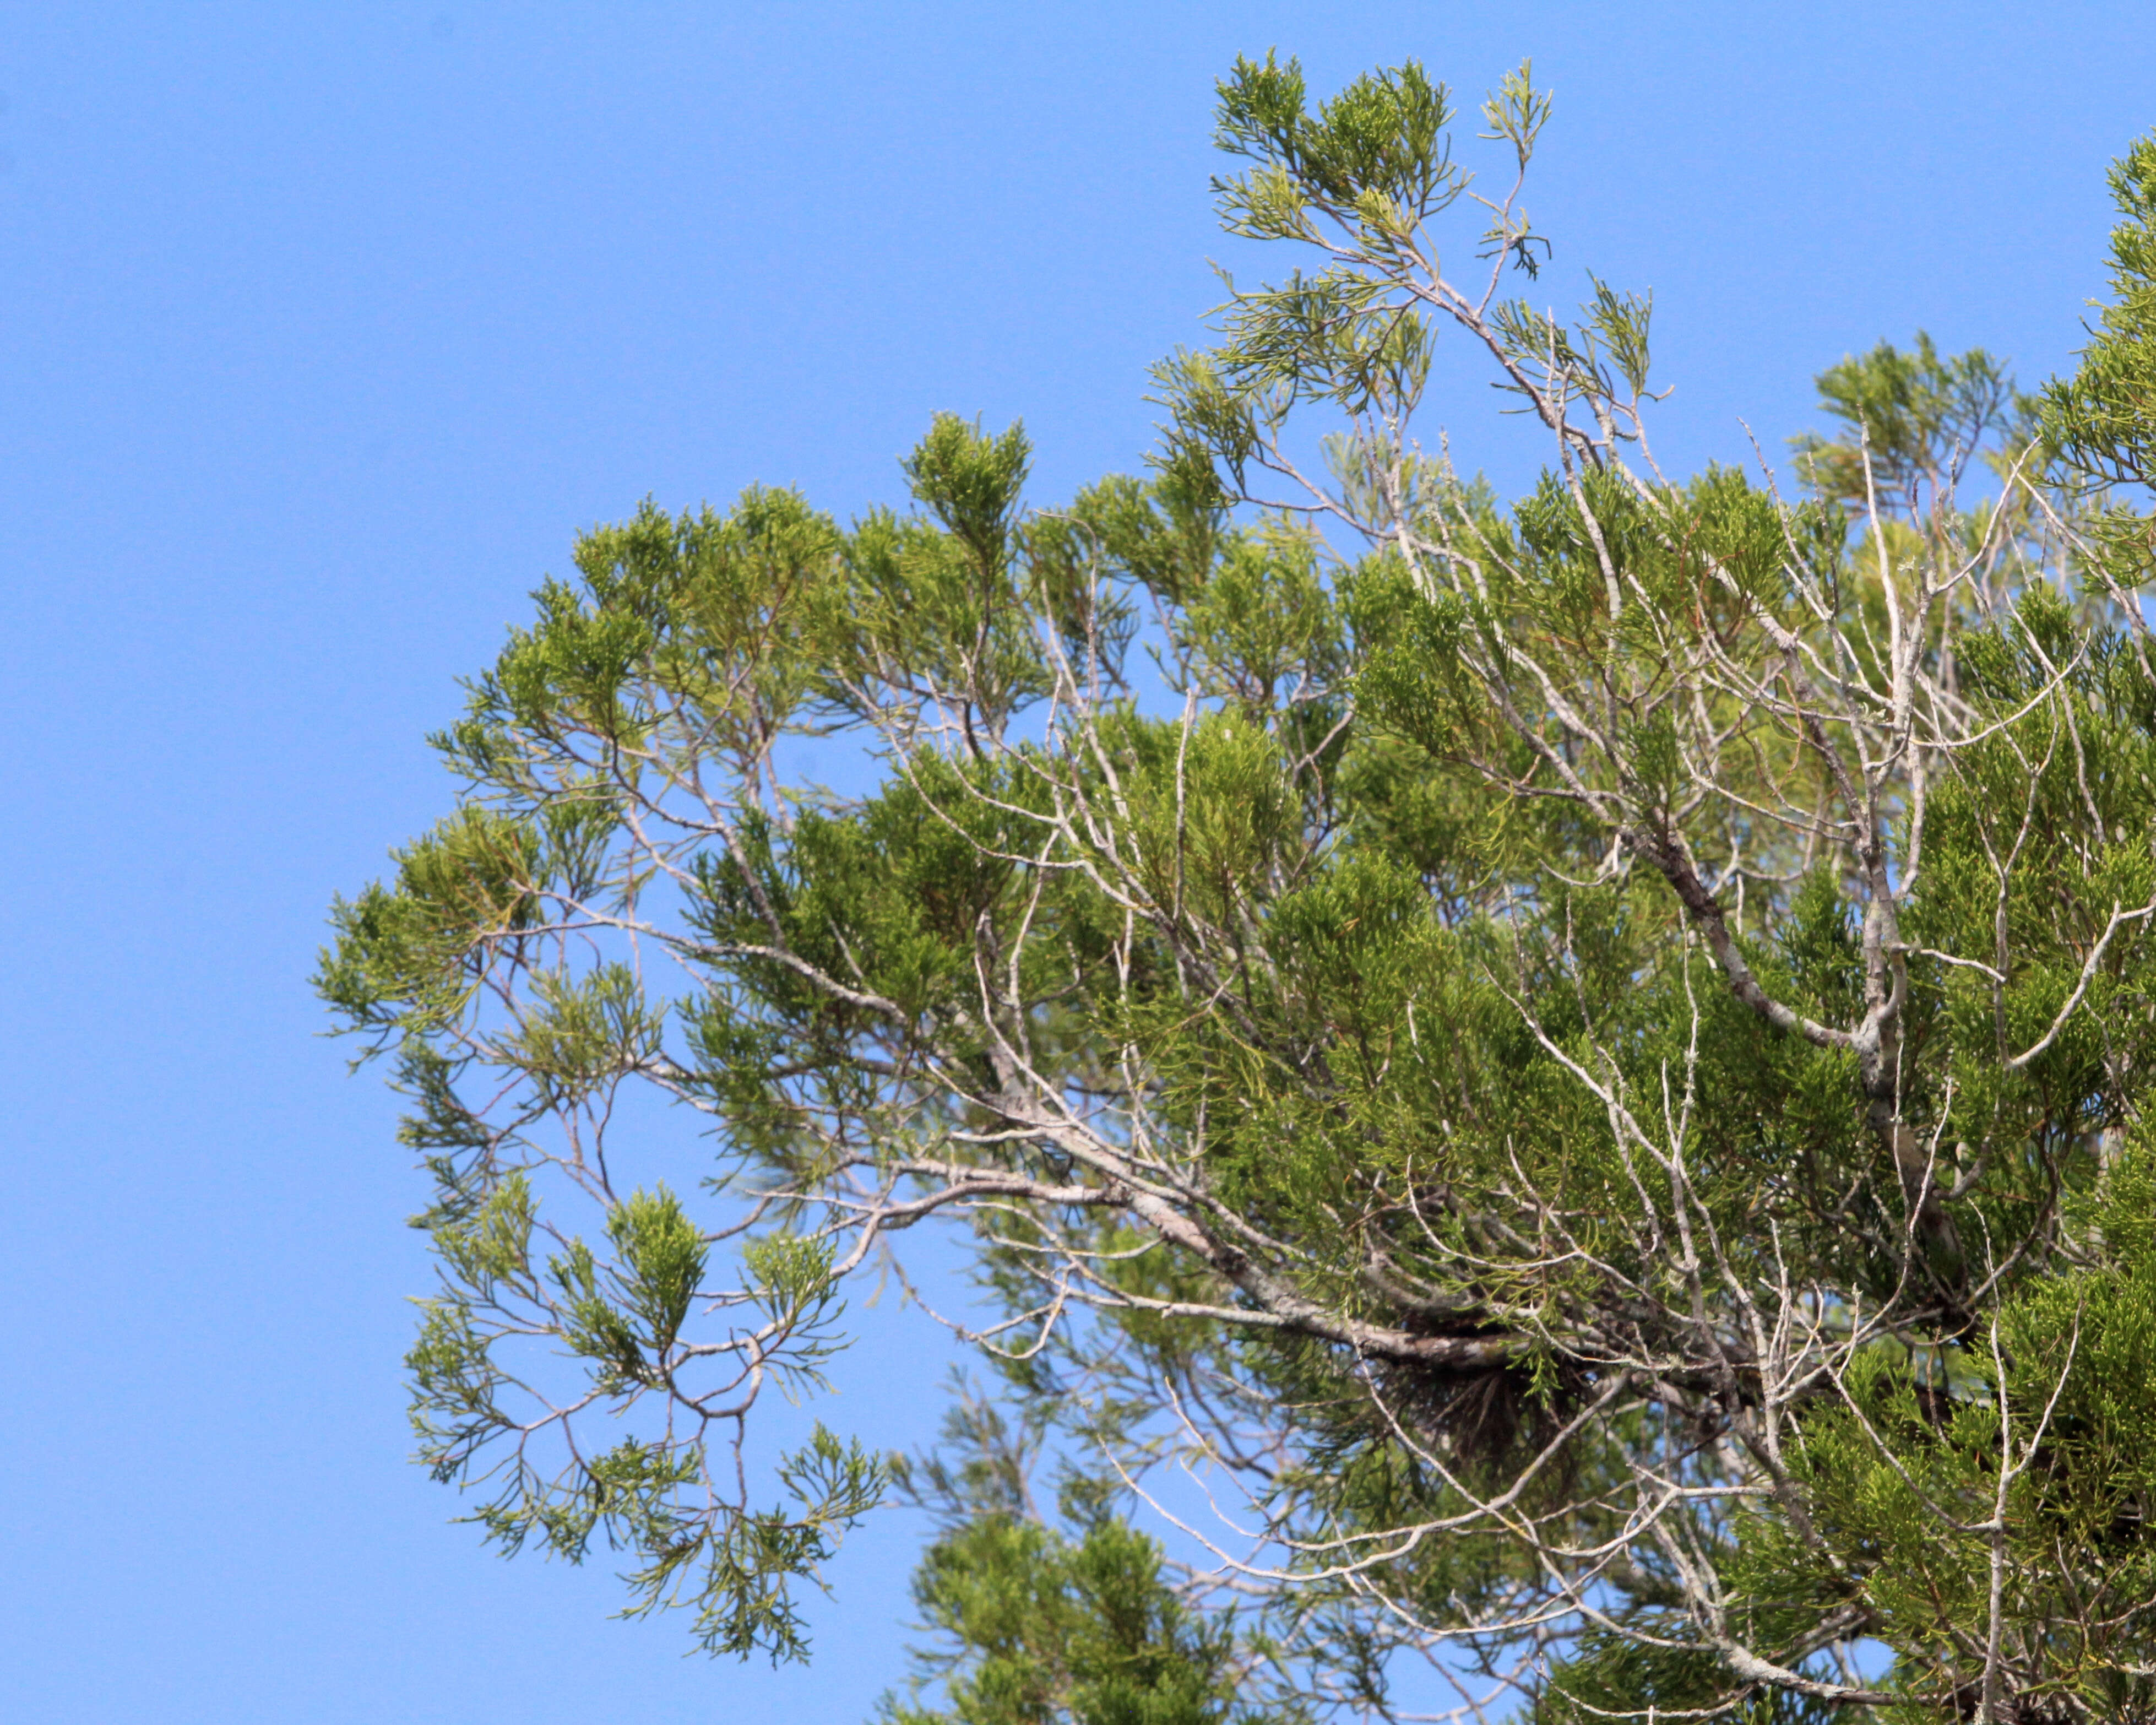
[1069, 1620]
[406, 956]
[2100, 417]
[1054, 1630]
[1920, 420]
[2100, 420]
[1583, 1064]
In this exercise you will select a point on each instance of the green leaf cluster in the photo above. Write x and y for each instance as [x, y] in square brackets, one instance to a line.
[1584, 1062]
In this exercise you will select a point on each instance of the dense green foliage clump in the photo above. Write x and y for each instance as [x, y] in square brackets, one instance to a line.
[1583, 1065]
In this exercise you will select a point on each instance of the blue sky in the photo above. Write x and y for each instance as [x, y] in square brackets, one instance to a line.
[322, 329]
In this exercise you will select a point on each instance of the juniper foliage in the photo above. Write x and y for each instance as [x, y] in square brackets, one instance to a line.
[1585, 1062]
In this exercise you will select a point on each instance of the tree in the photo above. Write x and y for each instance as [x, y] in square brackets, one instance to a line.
[1078, 1622]
[1585, 1062]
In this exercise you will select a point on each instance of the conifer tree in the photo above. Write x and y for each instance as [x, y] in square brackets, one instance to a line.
[1582, 1061]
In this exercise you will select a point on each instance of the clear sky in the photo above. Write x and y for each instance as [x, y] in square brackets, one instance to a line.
[322, 327]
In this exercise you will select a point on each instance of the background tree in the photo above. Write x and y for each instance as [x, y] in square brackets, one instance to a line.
[1581, 1062]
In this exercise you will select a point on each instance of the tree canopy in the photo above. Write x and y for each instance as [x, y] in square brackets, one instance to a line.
[1583, 1062]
